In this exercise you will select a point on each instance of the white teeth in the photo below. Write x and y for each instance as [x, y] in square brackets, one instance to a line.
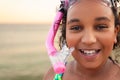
[88, 52]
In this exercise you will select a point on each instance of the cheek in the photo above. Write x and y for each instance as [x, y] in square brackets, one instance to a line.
[107, 42]
[72, 39]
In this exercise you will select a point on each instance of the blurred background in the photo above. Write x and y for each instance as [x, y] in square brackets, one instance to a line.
[24, 25]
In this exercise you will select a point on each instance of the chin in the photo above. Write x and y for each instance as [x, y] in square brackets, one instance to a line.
[92, 65]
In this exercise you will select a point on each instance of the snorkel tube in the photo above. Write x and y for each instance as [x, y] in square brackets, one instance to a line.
[58, 59]
[52, 32]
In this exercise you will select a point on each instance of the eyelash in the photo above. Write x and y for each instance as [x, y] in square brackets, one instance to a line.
[76, 28]
[101, 27]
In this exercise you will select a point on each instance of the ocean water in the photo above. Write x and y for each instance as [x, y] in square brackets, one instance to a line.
[23, 54]
[22, 38]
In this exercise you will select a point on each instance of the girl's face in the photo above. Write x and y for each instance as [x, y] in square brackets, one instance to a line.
[90, 29]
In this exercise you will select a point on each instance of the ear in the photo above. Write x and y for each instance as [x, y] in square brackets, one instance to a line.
[117, 29]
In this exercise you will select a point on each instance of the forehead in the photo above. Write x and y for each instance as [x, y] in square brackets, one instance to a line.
[88, 9]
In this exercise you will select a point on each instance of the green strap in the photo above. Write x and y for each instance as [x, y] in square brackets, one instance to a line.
[58, 77]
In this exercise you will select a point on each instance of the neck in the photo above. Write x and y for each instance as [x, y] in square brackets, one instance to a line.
[101, 70]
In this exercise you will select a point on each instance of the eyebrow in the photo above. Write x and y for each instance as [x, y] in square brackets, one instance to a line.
[96, 19]
[102, 18]
[73, 20]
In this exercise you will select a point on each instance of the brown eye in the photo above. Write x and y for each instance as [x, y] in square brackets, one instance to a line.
[76, 28]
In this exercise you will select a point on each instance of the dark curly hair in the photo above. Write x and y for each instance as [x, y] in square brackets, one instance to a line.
[62, 38]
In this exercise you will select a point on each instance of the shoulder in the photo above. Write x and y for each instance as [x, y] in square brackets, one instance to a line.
[49, 74]
[116, 70]
[70, 72]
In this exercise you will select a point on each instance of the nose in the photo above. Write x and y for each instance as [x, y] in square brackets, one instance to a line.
[88, 38]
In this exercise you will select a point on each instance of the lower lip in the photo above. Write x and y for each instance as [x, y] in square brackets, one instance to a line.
[91, 57]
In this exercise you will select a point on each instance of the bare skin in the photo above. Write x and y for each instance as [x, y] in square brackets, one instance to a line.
[112, 72]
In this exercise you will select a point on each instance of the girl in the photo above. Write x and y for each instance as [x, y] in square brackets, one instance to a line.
[91, 27]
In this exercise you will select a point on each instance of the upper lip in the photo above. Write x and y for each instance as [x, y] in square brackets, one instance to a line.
[85, 47]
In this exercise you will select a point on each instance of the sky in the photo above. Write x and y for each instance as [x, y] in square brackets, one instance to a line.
[27, 11]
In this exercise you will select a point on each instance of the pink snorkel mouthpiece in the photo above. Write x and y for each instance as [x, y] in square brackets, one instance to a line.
[58, 59]
[59, 67]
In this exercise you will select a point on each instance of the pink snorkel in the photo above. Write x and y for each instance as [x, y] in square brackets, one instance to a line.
[52, 32]
[58, 59]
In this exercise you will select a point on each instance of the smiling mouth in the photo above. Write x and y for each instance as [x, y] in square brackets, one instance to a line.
[89, 52]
